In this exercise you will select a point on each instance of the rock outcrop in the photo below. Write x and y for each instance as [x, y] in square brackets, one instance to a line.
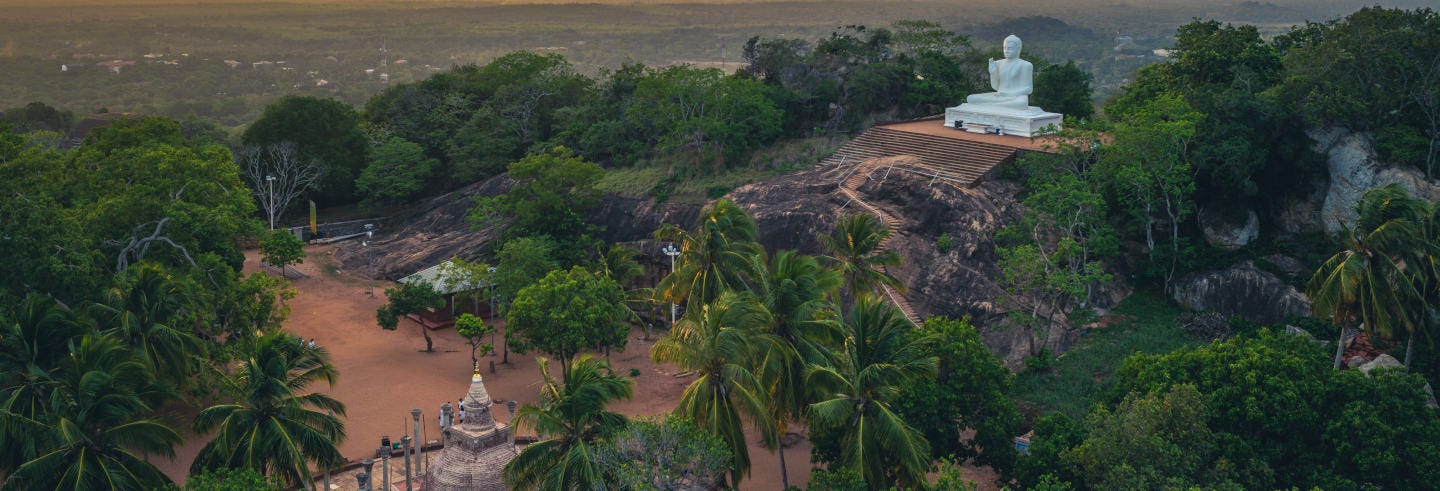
[1229, 236]
[792, 211]
[1242, 291]
[429, 232]
[1353, 169]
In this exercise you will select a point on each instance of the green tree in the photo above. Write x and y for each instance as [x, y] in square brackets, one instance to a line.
[326, 131]
[282, 249]
[1249, 148]
[522, 262]
[1149, 442]
[1281, 415]
[223, 479]
[854, 251]
[256, 302]
[1054, 434]
[1363, 71]
[474, 329]
[406, 299]
[397, 171]
[664, 454]
[147, 310]
[572, 421]
[714, 258]
[1148, 171]
[1364, 284]
[567, 312]
[722, 342]
[968, 394]
[39, 116]
[1051, 259]
[703, 114]
[1039, 286]
[553, 196]
[99, 419]
[34, 346]
[855, 427]
[793, 288]
[274, 427]
[1064, 89]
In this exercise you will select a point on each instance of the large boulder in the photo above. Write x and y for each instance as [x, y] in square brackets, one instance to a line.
[1229, 236]
[1355, 168]
[1241, 291]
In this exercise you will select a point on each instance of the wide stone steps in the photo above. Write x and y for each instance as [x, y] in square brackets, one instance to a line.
[959, 161]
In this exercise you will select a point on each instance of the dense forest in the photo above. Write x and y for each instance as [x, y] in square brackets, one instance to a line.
[123, 300]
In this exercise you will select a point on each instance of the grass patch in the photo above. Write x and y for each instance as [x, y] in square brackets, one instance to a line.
[659, 181]
[1083, 374]
[631, 181]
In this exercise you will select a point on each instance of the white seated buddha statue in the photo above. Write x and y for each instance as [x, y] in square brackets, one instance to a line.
[1012, 78]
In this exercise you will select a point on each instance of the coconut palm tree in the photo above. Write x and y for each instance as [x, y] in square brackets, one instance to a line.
[793, 288]
[275, 428]
[714, 258]
[97, 421]
[1367, 282]
[141, 311]
[883, 352]
[854, 252]
[723, 342]
[32, 350]
[570, 418]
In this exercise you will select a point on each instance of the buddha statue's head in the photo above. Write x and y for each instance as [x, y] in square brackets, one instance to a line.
[1012, 47]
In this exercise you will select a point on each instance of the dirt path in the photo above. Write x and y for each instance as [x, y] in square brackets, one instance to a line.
[383, 374]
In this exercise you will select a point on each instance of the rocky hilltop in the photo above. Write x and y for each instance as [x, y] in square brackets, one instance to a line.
[792, 211]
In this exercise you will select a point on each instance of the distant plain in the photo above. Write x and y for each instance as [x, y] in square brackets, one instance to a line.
[327, 46]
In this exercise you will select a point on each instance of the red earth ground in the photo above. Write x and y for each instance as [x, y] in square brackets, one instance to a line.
[383, 374]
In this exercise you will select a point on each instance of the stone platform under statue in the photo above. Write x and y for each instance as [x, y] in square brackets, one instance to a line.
[979, 118]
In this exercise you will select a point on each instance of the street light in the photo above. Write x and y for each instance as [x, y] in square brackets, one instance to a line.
[671, 251]
[270, 204]
[370, 237]
[491, 270]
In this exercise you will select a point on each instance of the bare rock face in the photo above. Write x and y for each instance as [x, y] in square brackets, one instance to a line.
[1355, 168]
[791, 211]
[1241, 291]
[794, 210]
[430, 232]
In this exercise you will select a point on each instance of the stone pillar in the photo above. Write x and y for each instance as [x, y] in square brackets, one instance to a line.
[363, 481]
[384, 453]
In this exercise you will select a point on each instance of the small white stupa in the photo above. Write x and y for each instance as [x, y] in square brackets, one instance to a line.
[476, 451]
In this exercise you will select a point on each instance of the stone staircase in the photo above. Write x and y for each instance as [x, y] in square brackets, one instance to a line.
[954, 160]
[850, 188]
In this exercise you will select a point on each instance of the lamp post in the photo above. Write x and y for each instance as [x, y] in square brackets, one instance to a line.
[369, 238]
[491, 270]
[270, 203]
[418, 442]
[671, 251]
